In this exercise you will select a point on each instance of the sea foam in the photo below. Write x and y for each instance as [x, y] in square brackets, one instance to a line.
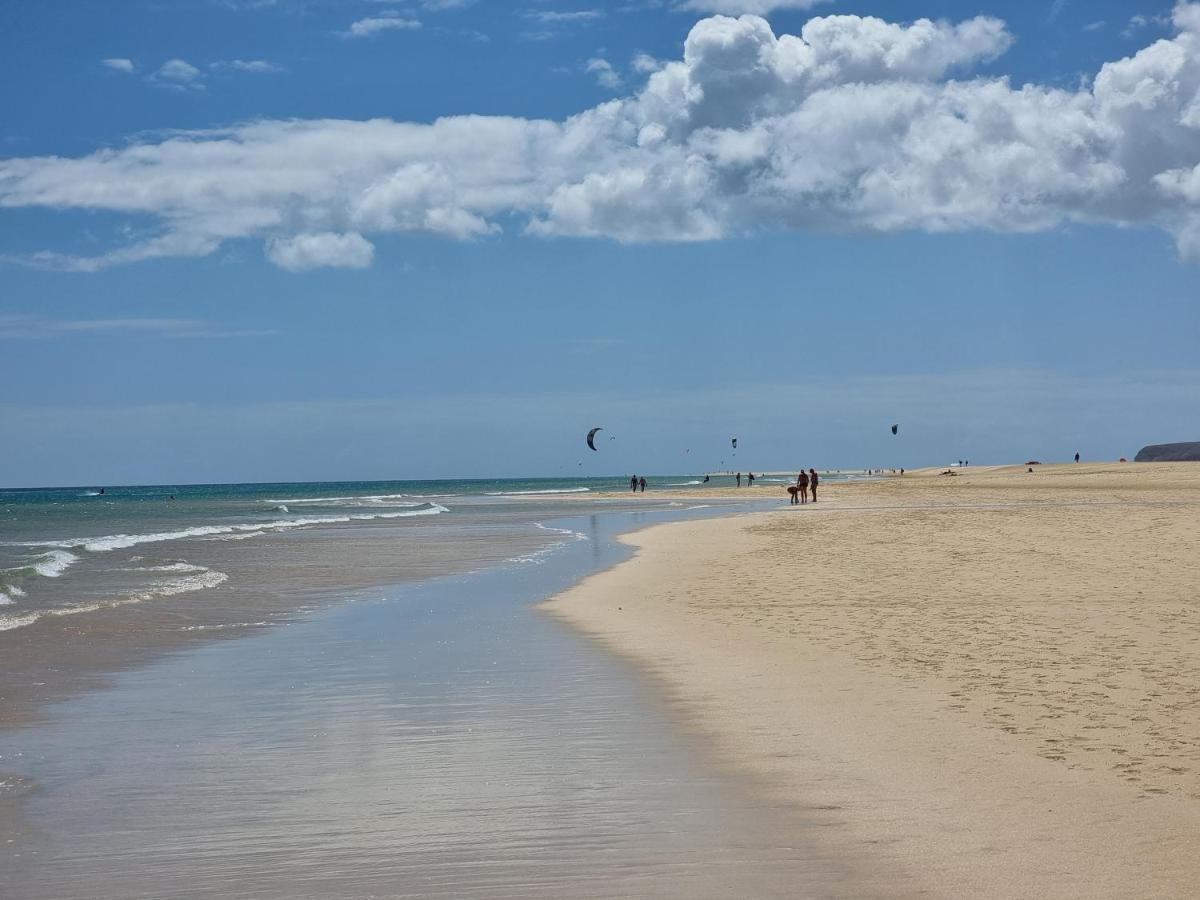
[110, 542]
[208, 578]
[575, 490]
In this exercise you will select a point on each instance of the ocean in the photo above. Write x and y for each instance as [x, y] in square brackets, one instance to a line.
[345, 689]
[65, 551]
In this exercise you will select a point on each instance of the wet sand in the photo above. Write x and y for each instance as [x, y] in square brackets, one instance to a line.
[987, 683]
[446, 742]
[274, 580]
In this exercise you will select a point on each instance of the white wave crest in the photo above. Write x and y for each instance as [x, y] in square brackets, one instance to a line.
[683, 483]
[122, 541]
[374, 499]
[575, 490]
[209, 578]
[173, 567]
[54, 563]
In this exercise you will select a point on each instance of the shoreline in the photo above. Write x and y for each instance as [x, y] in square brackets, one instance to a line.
[464, 741]
[949, 673]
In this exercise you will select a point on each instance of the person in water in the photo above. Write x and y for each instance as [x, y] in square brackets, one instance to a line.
[705, 479]
[812, 484]
[739, 479]
[642, 483]
[633, 484]
[750, 479]
[802, 484]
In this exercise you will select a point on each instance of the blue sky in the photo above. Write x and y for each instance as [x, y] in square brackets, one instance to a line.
[211, 269]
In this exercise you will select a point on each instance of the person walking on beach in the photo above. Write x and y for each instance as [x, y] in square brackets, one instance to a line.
[739, 479]
[812, 484]
[642, 483]
[802, 484]
[633, 484]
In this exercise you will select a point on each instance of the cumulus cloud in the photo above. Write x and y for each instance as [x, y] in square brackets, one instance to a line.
[389, 20]
[855, 124]
[118, 64]
[311, 251]
[744, 7]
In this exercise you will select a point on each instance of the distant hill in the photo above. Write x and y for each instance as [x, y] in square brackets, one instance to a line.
[1188, 452]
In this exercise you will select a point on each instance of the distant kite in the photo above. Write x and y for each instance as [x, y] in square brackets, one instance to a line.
[591, 438]
[895, 429]
[734, 442]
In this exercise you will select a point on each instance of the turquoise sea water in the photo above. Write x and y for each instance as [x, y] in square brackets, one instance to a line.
[65, 551]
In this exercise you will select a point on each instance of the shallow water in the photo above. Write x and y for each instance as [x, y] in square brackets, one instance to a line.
[446, 741]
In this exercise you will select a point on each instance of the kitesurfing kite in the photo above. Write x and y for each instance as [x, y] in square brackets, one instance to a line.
[895, 429]
[591, 438]
[734, 443]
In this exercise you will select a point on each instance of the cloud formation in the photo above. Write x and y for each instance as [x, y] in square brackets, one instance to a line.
[388, 20]
[744, 7]
[178, 73]
[118, 64]
[855, 124]
[312, 251]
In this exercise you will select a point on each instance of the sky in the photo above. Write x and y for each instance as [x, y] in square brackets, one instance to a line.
[266, 240]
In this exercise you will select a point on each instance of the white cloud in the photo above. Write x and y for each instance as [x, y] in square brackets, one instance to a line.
[1095, 26]
[389, 20]
[1140, 22]
[559, 17]
[177, 73]
[606, 75]
[118, 64]
[311, 251]
[255, 66]
[644, 63]
[744, 7]
[855, 124]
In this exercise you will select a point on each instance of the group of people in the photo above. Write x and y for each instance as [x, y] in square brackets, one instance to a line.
[805, 486]
[635, 483]
[804, 489]
[749, 479]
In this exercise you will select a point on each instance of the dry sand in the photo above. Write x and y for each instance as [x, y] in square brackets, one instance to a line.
[983, 685]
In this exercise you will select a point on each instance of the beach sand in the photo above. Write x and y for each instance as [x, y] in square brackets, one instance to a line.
[981, 685]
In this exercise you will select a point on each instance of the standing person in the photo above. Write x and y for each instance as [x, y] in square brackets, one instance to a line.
[750, 479]
[812, 484]
[633, 484]
[642, 482]
[1077, 456]
[802, 483]
[739, 478]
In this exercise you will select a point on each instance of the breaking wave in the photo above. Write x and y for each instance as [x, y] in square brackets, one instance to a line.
[121, 541]
[199, 581]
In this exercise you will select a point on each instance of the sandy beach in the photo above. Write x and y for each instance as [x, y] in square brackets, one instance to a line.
[981, 685]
